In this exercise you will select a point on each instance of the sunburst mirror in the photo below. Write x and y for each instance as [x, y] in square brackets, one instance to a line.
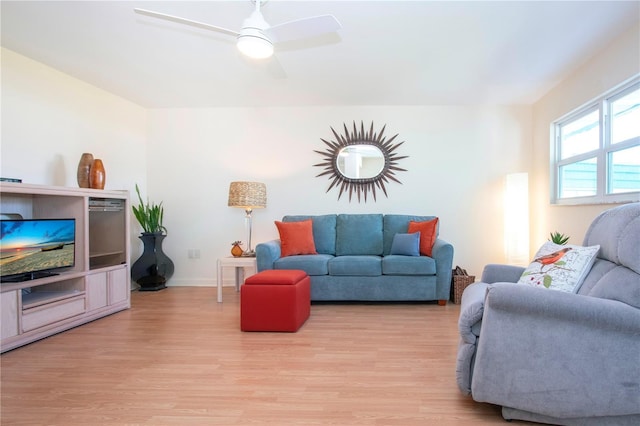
[360, 162]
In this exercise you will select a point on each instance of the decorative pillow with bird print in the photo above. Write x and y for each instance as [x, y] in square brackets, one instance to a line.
[560, 267]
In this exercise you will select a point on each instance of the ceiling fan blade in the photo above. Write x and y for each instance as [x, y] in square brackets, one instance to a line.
[303, 28]
[185, 21]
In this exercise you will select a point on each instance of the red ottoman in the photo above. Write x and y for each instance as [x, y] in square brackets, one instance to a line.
[275, 300]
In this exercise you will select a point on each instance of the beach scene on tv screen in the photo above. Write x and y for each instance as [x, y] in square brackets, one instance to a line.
[27, 246]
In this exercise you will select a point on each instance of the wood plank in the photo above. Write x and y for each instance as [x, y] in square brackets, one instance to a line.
[178, 357]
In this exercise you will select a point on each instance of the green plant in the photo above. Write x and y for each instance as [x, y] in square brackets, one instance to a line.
[558, 238]
[149, 215]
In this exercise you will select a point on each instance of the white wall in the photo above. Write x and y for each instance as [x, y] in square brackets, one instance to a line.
[49, 119]
[613, 65]
[458, 157]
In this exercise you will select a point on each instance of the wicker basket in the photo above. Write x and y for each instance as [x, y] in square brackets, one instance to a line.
[458, 284]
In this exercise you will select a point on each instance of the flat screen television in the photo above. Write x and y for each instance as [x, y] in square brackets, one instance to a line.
[35, 248]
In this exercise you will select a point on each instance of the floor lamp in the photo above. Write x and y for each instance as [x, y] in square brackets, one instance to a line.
[516, 218]
[248, 196]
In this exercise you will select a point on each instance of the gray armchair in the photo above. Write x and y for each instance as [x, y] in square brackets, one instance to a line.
[554, 357]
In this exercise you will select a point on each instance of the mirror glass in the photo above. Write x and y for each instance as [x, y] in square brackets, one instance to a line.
[360, 161]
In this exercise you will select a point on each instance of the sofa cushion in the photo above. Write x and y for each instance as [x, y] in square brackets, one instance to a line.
[276, 277]
[599, 269]
[629, 245]
[406, 244]
[312, 264]
[398, 223]
[368, 266]
[324, 231]
[621, 284]
[616, 231]
[296, 238]
[428, 233]
[359, 234]
[560, 267]
[408, 265]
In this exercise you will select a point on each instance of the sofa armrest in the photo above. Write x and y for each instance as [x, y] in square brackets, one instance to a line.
[442, 253]
[471, 310]
[494, 273]
[558, 354]
[469, 323]
[267, 253]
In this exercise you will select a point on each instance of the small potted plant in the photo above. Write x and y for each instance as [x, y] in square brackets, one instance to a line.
[154, 268]
[558, 238]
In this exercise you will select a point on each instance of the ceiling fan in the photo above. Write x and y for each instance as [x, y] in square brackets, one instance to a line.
[256, 38]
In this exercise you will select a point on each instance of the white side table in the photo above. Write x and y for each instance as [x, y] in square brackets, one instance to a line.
[240, 264]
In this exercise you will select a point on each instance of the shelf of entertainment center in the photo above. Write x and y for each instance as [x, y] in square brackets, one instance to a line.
[56, 278]
[106, 253]
[106, 259]
[39, 298]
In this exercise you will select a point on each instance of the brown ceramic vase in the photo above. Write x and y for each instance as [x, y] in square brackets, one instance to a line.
[84, 168]
[97, 174]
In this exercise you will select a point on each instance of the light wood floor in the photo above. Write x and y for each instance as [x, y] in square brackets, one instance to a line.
[178, 357]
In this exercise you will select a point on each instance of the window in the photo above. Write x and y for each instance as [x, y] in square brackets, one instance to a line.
[596, 150]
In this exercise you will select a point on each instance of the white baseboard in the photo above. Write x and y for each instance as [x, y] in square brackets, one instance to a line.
[191, 283]
[228, 279]
[195, 282]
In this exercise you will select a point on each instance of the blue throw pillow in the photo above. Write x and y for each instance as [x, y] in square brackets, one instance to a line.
[406, 244]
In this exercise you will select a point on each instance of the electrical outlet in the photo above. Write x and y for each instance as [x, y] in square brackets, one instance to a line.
[193, 253]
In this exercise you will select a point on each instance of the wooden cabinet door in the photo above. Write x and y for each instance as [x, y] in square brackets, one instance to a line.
[9, 313]
[118, 286]
[96, 291]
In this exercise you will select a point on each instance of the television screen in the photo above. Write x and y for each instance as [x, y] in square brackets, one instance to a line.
[30, 248]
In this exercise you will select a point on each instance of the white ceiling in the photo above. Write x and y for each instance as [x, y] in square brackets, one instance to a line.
[387, 53]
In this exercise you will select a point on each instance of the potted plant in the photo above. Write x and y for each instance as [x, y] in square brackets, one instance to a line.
[149, 215]
[558, 238]
[154, 268]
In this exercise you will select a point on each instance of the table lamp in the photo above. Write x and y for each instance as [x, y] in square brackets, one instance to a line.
[248, 196]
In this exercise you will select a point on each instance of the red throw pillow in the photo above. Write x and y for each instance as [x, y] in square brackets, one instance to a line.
[296, 237]
[428, 234]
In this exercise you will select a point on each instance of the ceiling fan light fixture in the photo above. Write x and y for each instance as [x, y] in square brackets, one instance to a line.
[255, 39]
[255, 45]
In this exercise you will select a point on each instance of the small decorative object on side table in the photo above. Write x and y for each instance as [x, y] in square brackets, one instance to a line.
[240, 264]
[236, 250]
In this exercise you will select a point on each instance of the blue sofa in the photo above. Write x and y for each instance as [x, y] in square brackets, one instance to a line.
[353, 261]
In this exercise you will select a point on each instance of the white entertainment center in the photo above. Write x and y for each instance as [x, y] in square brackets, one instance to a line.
[99, 282]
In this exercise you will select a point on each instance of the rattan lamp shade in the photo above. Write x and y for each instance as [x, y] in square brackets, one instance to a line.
[247, 195]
